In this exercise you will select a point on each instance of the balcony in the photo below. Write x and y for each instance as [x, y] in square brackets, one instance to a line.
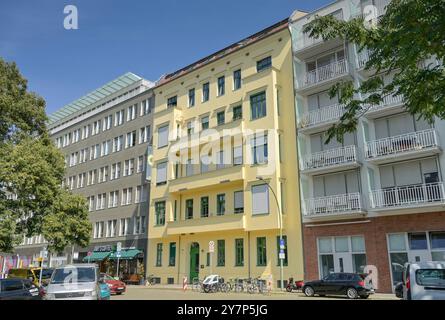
[413, 196]
[206, 180]
[379, 5]
[209, 224]
[343, 206]
[322, 77]
[321, 119]
[402, 147]
[390, 105]
[332, 160]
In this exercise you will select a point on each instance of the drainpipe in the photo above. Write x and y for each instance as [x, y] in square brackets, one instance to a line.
[248, 246]
[179, 257]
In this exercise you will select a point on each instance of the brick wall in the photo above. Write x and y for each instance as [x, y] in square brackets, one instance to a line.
[374, 230]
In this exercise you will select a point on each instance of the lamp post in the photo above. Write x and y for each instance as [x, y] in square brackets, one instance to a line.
[280, 214]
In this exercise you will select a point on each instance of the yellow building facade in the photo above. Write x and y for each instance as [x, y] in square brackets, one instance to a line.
[225, 165]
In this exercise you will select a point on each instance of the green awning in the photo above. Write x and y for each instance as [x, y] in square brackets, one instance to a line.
[97, 256]
[126, 254]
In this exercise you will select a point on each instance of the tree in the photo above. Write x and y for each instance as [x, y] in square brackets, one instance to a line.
[408, 34]
[32, 201]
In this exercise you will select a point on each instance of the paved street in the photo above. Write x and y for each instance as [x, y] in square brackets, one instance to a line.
[161, 293]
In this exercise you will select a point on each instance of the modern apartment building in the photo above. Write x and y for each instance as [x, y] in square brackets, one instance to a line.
[375, 200]
[224, 165]
[105, 137]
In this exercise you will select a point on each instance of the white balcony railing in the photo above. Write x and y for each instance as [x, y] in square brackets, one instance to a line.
[402, 143]
[332, 205]
[388, 100]
[362, 58]
[380, 9]
[330, 157]
[327, 72]
[405, 196]
[322, 115]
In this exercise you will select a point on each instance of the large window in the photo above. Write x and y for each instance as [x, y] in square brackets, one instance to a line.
[239, 252]
[205, 123]
[264, 64]
[172, 101]
[237, 113]
[221, 261]
[258, 106]
[259, 149]
[220, 204]
[189, 209]
[221, 86]
[160, 213]
[191, 97]
[238, 205]
[163, 136]
[204, 207]
[205, 92]
[172, 255]
[261, 254]
[161, 173]
[159, 255]
[221, 117]
[237, 79]
[260, 199]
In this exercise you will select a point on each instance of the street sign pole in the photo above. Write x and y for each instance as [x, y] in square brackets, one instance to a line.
[211, 250]
[118, 255]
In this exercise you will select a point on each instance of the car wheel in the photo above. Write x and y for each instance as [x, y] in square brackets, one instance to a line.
[364, 296]
[118, 293]
[352, 293]
[309, 291]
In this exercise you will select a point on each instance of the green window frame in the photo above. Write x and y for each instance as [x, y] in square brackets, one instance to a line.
[159, 255]
[258, 107]
[221, 118]
[189, 209]
[261, 251]
[237, 113]
[221, 259]
[160, 213]
[172, 254]
[285, 250]
[239, 252]
[221, 204]
[204, 207]
[264, 64]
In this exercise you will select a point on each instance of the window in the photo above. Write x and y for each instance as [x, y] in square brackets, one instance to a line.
[237, 113]
[103, 174]
[144, 134]
[260, 199]
[205, 92]
[221, 260]
[141, 164]
[127, 196]
[189, 209]
[111, 228]
[131, 139]
[131, 112]
[162, 136]
[285, 250]
[161, 173]
[237, 155]
[190, 128]
[119, 118]
[264, 64]
[220, 161]
[189, 168]
[159, 255]
[205, 123]
[258, 106]
[259, 149]
[100, 203]
[237, 79]
[239, 252]
[160, 213]
[220, 204]
[146, 106]
[261, 258]
[204, 207]
[124, 226]
[113, 199]
[128, 167]
[191, 97]
[172, 102]
[115, 171]
[107, 122]
[221, 118]
[172, 255]
[238, 201]
[221, 86]
[90, 203]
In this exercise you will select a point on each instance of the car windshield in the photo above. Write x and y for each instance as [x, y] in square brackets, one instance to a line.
[107, 277]
[74, 275]
[46, 274]
[430, 277]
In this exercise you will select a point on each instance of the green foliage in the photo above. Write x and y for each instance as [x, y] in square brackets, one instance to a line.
[32, 201]
[410, 32]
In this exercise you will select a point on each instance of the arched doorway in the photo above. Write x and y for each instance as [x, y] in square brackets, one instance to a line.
[194, 261]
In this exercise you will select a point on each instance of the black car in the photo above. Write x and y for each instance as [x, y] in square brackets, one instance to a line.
[18, 289]
[350, 284]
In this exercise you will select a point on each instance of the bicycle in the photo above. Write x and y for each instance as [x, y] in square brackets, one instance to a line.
[150, 281]
[197, 285]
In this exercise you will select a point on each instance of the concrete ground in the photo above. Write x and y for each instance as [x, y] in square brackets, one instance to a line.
[176, 293]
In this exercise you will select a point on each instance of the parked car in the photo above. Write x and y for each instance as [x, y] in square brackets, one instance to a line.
[18, 289]
[116, 286]
[424, 281]
[32, 274]
[105, 293]
[74, 282]
[353, 285]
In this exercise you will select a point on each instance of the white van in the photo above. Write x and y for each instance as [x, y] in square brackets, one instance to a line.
[424, 281]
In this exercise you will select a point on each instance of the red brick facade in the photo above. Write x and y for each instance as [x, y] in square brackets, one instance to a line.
[374, 230]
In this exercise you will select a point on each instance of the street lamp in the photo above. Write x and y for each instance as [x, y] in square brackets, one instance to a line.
[281, 230]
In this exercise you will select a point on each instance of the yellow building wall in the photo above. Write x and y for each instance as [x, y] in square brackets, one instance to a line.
[277, 82]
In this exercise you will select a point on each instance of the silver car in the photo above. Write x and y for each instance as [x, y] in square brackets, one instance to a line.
[74, 282]
[424, 281]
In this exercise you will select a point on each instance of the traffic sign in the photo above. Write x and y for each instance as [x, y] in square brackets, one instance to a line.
[119, 246]
[211, 246]
[282, 256]
[282, 244]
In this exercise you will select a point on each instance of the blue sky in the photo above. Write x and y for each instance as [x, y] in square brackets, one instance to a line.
[148, 38]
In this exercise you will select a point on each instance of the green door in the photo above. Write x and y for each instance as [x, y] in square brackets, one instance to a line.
[194, 261]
